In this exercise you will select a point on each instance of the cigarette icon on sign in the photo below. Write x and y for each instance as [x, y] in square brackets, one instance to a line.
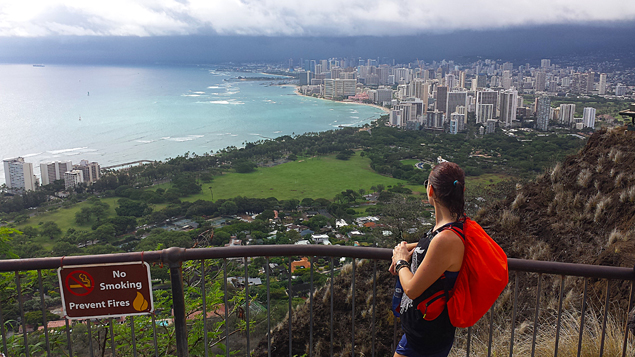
[84, 280]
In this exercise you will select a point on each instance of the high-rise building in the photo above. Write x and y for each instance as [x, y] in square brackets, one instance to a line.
[434, 120]
[454, 126]
[519, 102]
[91, 170]
[508, 105]
[19, 175]
[602, 84]
[442, 99]
[450, 81]
[588, 117]
[541, 81]
[421, 91]
[481, 81]
[402, 75]
[566, 113]
[383, 72]
[456, 99]
[545, 63]
[335, 72]
[325, 65]
[577, 83]
[491, 126]
[508, 66]
[460, 120]
[590, 82]
[506, 81]
[620, 89]
[462, 76]
[395, 117]
[53, 171]
[336, 88]
[411, 110]
[306, 77]
[543, 111]
[384, 95]
[73, 178]
[486, 97]
[484, 113]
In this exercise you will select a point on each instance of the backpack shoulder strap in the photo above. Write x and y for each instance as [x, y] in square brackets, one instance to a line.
[456, 227]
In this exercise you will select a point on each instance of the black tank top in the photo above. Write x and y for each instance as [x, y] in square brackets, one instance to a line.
[428, 336]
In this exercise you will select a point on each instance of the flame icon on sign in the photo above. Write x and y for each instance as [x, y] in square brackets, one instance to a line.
[140, 303]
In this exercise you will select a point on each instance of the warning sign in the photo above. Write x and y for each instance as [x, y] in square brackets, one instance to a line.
[80, 283]
[108, 290]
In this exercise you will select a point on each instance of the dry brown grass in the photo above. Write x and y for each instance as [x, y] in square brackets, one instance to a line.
[620, 179]
[519, 201]
[628, 195]
[509, 220]
[600, 207]
[556, 173]
[545, 338]
[584, 178]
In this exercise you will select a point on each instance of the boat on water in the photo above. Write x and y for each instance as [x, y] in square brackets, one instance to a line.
[38, 65]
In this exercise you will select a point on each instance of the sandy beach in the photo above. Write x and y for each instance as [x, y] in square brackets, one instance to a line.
[297, 91]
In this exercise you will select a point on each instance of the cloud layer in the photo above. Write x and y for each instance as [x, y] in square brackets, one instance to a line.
[40, 18]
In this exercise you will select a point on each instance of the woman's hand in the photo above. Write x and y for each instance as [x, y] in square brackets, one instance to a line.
[401, 252]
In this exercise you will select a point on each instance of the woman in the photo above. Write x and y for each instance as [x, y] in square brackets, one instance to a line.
[431, 266]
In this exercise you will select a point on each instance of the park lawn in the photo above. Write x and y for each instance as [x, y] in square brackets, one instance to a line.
[316, 177]
[410, 161]
[65, 217]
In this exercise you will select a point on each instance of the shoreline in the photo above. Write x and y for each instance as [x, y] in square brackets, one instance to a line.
[297, 91]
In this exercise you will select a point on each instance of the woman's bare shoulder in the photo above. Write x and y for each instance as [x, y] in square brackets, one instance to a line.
[447, 238]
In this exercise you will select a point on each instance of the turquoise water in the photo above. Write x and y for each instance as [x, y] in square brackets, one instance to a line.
[149, 113]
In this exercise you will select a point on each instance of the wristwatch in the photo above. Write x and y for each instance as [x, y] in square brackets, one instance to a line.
[401, 264]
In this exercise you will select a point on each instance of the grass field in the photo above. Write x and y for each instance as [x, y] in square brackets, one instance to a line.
[410, 161]
[65, 217]
[316, 177]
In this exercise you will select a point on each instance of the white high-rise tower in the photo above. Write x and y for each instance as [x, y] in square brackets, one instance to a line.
[19, 175]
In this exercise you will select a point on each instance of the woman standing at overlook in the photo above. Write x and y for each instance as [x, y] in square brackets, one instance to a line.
[428, 269]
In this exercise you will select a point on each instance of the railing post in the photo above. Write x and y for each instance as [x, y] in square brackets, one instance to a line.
[173, 257]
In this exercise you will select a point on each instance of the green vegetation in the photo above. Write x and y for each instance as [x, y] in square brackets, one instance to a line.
[65, 216]
[314, 177]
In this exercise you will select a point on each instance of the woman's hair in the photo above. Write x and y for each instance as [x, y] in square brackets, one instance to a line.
[448, 182]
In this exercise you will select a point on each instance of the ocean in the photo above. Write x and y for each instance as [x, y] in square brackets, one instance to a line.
[114, 115]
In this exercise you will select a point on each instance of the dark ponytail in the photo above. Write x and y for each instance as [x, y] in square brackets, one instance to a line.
[448, 182]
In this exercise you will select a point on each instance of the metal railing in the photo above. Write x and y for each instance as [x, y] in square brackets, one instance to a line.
[174, 257]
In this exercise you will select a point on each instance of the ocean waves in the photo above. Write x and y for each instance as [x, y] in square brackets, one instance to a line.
[227, 102]
[182, 138]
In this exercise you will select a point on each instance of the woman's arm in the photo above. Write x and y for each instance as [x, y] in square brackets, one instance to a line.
[445, 253]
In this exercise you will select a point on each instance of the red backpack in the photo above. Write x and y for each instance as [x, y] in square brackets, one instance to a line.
[482, 277]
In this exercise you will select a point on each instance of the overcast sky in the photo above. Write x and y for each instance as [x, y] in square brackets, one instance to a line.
[42, 18]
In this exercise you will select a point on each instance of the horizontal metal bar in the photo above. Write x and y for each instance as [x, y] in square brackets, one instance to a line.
[572, 269]
[175, 254]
